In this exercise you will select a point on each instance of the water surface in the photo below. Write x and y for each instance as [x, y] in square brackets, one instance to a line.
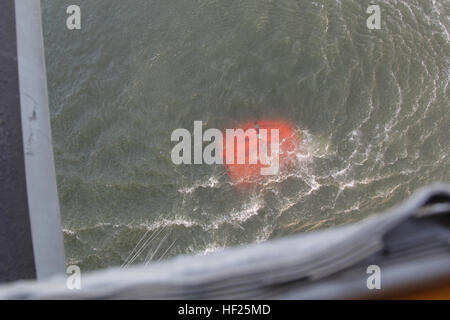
[372, 108]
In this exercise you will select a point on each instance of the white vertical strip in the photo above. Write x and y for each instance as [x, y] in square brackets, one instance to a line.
[37, 140]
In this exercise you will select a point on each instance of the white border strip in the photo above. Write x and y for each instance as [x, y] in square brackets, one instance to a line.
[43, 204]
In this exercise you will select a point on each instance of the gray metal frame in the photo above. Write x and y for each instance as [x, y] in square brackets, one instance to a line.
[31, 243]
[16, 251]
[37, 139]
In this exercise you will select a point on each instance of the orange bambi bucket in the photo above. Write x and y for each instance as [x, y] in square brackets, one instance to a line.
[248, 173]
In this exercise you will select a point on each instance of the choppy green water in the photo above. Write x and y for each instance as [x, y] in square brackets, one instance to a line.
[372, 107]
